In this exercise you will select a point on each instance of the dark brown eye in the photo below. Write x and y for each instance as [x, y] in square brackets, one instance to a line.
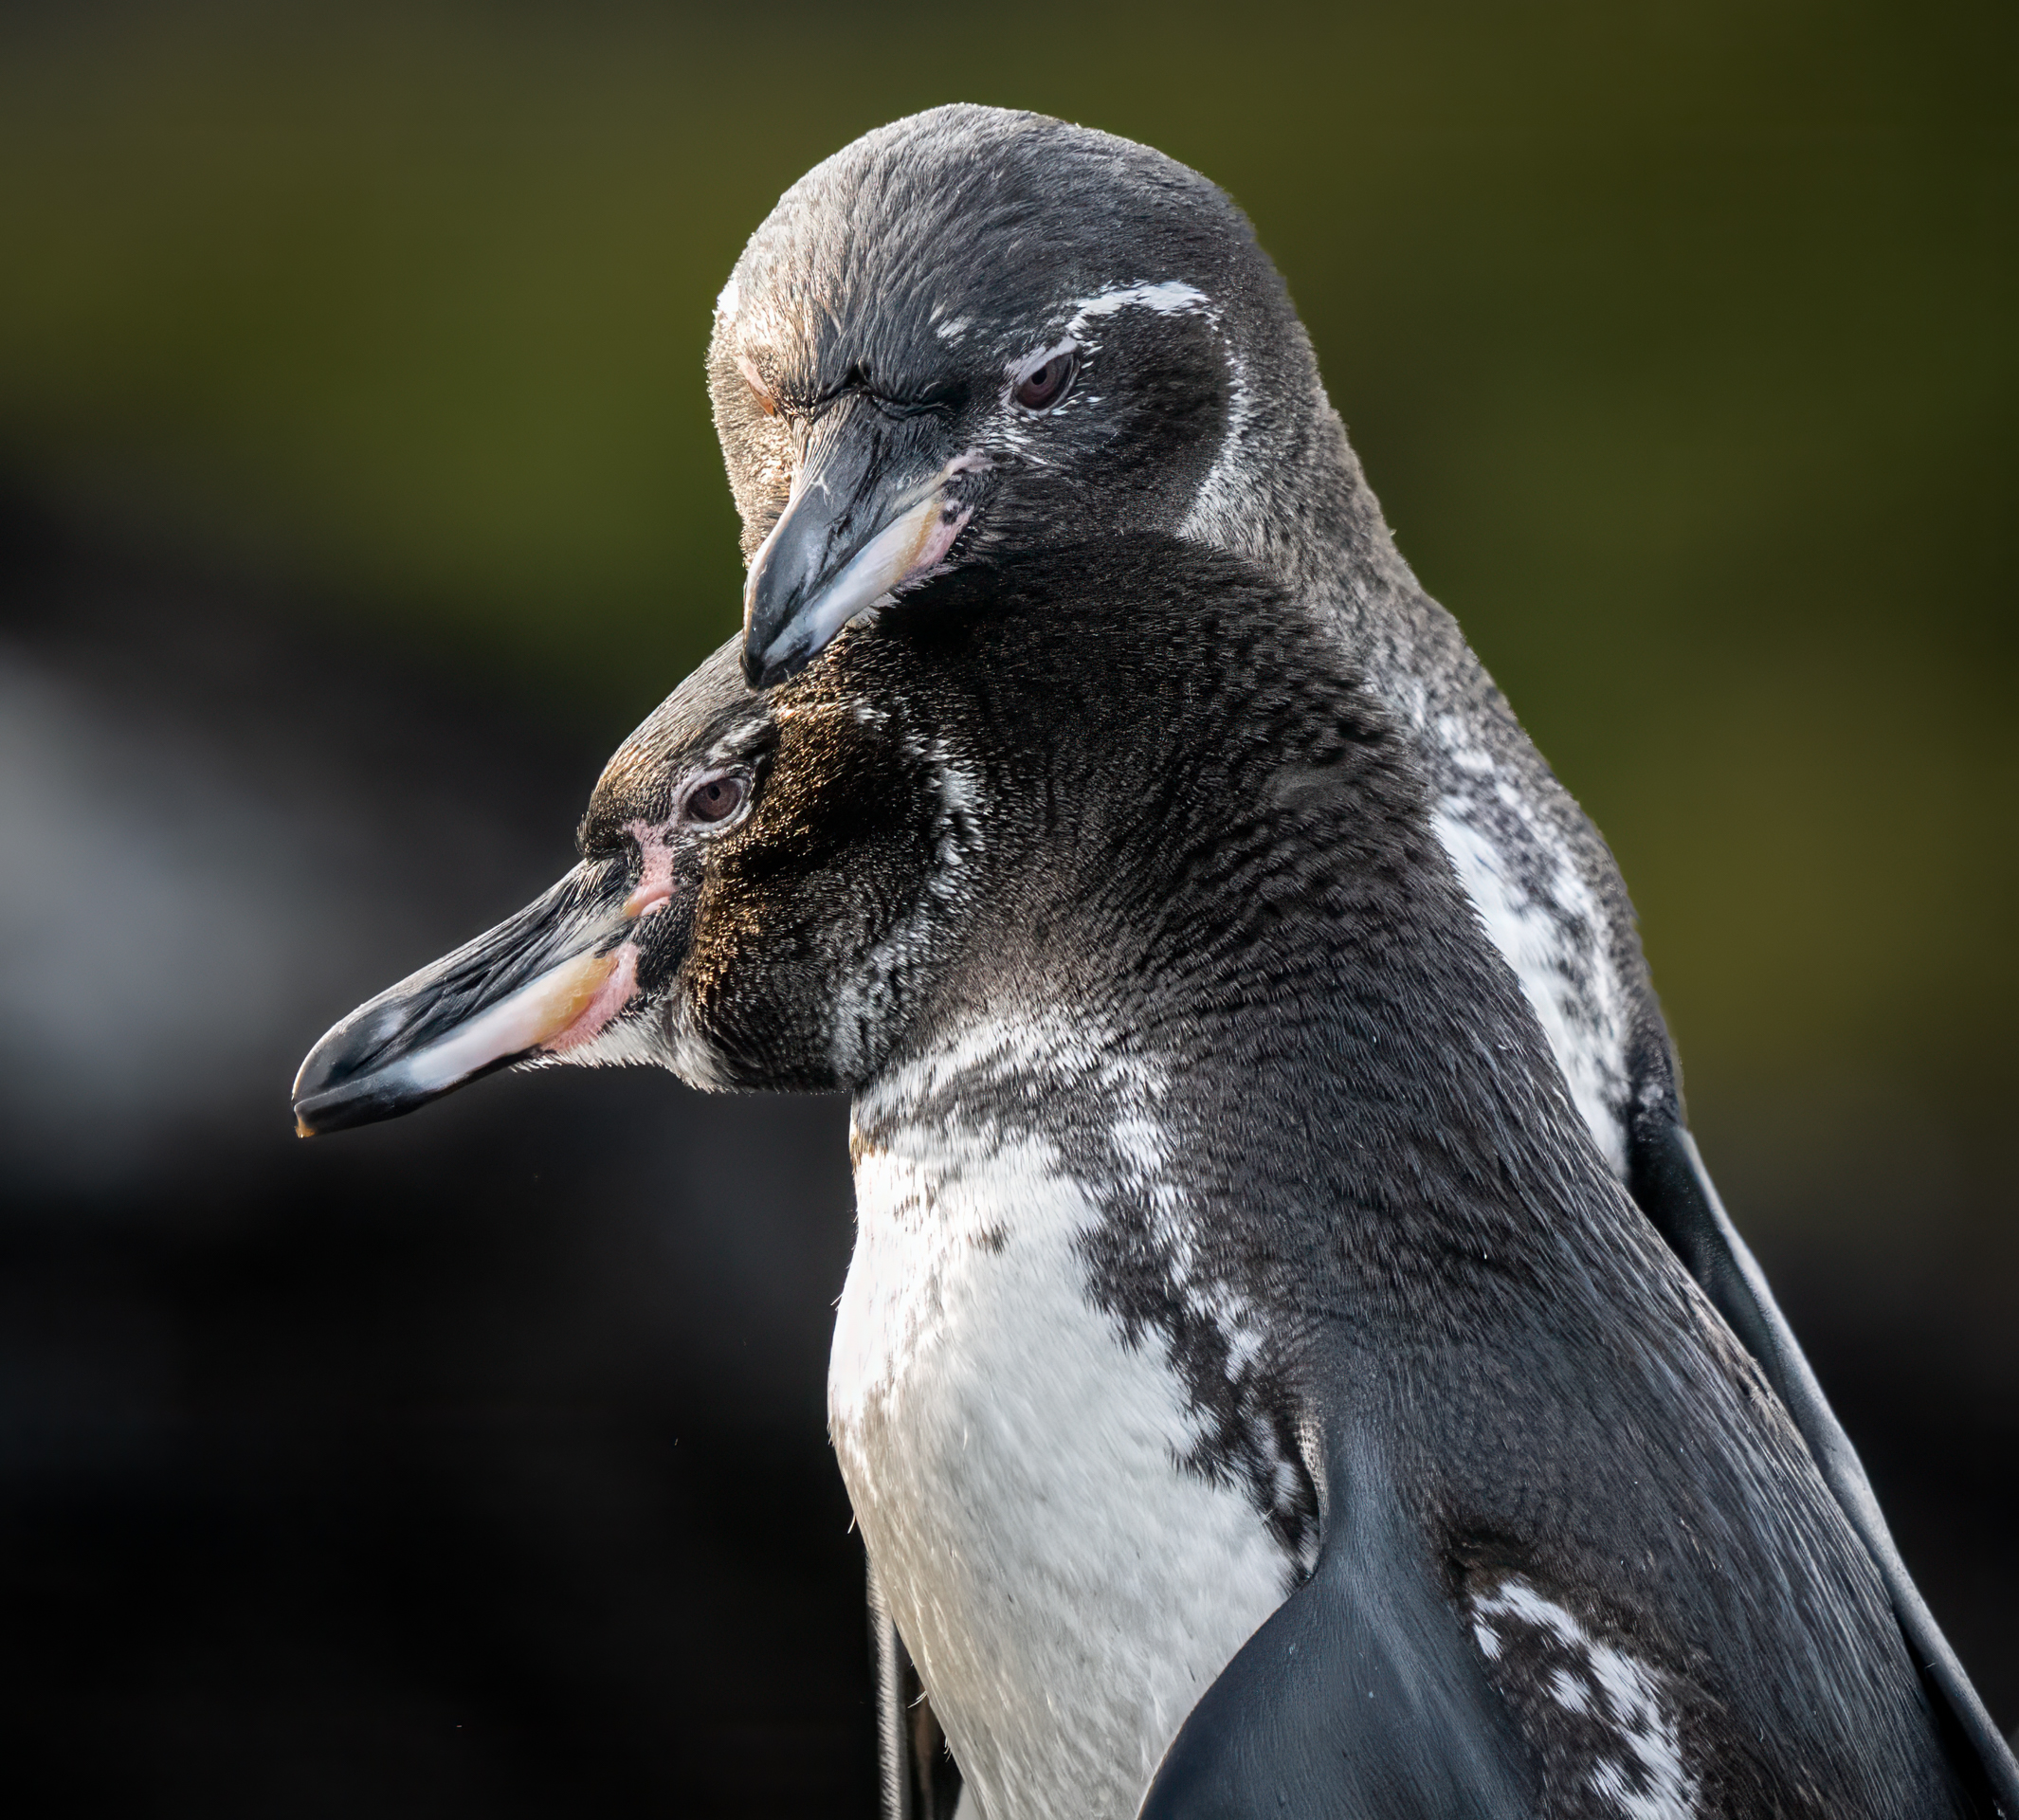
[1042, 387]
[716, 799]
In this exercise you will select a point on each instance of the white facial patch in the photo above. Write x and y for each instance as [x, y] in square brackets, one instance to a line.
[1225, 512]
[867, 993]
[1171, 298]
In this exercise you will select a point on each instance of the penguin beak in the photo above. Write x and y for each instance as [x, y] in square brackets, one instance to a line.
[852, 534]
[550, 980]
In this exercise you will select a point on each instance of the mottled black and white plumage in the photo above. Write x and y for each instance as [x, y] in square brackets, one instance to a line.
[977, 332]
[869, 342]
[1252, 1384]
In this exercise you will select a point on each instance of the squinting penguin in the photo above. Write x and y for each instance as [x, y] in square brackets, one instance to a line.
[1258, 1393]
[975, 332]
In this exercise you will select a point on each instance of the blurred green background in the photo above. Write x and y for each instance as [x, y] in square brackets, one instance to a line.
[1682, 345]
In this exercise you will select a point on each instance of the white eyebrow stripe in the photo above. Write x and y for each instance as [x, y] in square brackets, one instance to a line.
[1172, 297]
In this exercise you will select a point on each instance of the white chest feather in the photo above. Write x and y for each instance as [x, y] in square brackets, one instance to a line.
[1066, 1588]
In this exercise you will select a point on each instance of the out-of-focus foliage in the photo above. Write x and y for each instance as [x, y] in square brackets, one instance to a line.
[1680, 342]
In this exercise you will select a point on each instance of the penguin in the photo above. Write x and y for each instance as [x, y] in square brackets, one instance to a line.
[1256, 1391]
[977, 332]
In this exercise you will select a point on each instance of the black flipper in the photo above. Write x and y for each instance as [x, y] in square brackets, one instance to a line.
[1361, 1698]
[920, 1779]
[1675, 1192]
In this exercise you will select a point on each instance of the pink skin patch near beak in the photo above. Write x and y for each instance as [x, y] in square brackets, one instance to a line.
[908, 549]
[608, 995]
[654, 889]
[937, 541]
[940, 520]
[651, 894]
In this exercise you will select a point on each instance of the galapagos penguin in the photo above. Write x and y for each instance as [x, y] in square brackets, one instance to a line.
[1257, 1394]
[977, 332]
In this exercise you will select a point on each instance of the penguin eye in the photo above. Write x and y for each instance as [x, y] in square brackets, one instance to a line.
[714, 800]
[1043, 385]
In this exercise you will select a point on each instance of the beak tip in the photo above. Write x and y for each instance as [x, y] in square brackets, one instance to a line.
[303, 1127]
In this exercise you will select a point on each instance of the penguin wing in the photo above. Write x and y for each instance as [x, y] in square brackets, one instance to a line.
[1361, 1696]
[1675, 1190]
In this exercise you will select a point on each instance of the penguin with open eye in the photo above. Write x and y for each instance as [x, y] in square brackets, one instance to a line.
[1257, 1393]
[977, 333]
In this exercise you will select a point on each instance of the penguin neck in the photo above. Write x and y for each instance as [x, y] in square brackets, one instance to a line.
[1289, 494]
[1213, 915]
[1372, 1058]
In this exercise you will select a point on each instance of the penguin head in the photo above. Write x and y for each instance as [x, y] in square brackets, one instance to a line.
[1012, 788]
[744, 861]
[976, 331]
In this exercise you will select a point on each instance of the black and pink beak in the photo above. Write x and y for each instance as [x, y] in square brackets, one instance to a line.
[868, 515]
[545, 983]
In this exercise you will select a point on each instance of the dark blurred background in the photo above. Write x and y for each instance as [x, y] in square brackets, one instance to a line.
[358, 493]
